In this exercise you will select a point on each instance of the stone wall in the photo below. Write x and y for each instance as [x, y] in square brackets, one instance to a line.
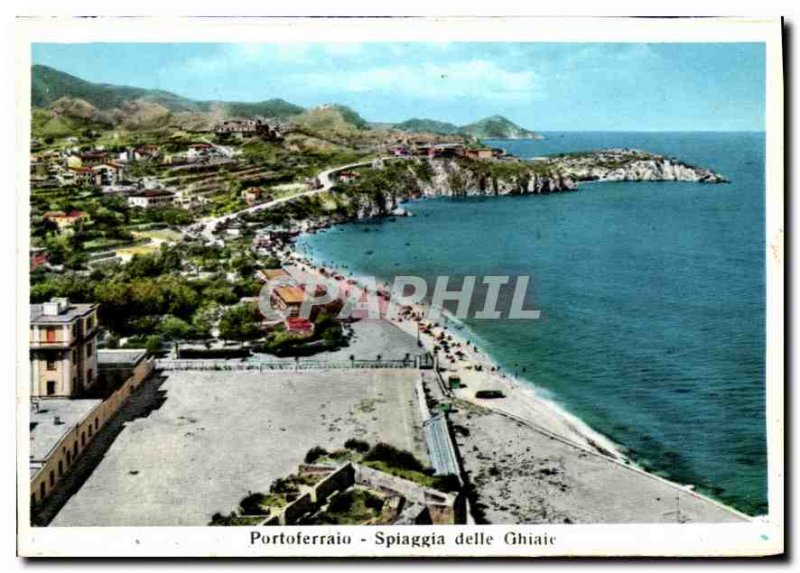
[339, 480]
[75, 441]
[297, 509]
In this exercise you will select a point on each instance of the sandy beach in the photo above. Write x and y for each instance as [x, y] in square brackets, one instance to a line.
[521, 435]
[473, 366]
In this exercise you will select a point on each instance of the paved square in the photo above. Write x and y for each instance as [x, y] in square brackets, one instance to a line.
[220, 435]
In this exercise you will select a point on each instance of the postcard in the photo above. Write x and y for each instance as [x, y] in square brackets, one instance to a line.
[450, 287]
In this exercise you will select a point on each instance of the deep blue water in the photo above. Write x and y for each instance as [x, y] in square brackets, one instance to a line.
[652, 299]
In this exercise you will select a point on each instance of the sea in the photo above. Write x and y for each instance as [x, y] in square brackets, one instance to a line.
[651, 294]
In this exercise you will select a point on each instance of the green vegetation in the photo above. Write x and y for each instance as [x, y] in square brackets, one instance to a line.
[253, 504]
[240, 323]
[352, 507]
[232, 519]
[395, 457]
[49, 85]
[496, 127]
[328, 335]
[152, 296]
[357, 445]
[276, 107]
[416, 125]
[315, 454]
[335, 123]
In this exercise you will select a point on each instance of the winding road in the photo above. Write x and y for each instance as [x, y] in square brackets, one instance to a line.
[325, 179]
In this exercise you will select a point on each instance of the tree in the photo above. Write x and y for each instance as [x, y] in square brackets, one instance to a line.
[153, 344]
[174, 329]
[203, 320]
[240, 322]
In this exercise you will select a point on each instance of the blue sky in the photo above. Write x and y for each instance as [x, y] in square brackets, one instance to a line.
[541, 86]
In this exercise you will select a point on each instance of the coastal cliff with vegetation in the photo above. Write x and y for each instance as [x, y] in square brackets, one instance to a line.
[380, 190]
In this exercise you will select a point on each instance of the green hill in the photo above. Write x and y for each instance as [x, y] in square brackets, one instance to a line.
[335, 122]
[49, 85]
[497, 127]
[349, 116]
[416, 125]
[494, 127]
[74, 102]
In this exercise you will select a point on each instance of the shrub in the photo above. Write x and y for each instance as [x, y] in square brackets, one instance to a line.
[357, 445]
[394, 457]
[314, 454]
[282, 485]
[251, 505]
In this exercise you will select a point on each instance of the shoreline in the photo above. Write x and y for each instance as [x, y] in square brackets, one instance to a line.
[522, 399]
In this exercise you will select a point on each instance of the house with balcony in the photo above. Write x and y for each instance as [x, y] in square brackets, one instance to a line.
[153, 198]
[63, 348]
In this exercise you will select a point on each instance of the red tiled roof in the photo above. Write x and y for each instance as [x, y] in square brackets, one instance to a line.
[297, 323]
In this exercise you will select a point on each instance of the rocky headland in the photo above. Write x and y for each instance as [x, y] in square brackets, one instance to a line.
[628, 165]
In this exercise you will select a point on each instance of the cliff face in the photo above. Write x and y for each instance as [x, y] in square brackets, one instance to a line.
[464, 178]
[460, 178]
[629, 165]
[451, 178]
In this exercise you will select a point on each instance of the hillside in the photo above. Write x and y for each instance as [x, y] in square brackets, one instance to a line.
[497, 127]
[335, 122]
[494, 127]
[416, 125]
[64, 102]
[49, 85]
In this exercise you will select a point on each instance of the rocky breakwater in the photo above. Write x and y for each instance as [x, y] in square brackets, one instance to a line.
[628, 165]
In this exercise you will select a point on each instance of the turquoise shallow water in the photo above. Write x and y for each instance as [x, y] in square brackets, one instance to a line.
[652, 299]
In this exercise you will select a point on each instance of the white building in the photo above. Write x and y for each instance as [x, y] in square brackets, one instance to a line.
[149, 199]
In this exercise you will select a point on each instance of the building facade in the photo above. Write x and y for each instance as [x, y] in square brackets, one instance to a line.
[63, 348]
[149, 199]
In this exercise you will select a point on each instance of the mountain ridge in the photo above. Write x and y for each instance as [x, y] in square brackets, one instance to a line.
[68, 99]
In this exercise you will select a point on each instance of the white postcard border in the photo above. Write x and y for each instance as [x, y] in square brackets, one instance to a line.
[759, 537]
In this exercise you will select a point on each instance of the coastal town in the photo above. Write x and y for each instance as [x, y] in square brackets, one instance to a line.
[166, 388]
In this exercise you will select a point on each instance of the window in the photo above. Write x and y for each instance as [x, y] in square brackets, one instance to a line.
[90, 431]
[51, 364]
[96, 423]
[69, 458]
[42, 490]
[83, 439]
[51, 387]
[50, 334]
[52, 478]
[88, 350]
[60, 468]
[89, 376]
[74, 355]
